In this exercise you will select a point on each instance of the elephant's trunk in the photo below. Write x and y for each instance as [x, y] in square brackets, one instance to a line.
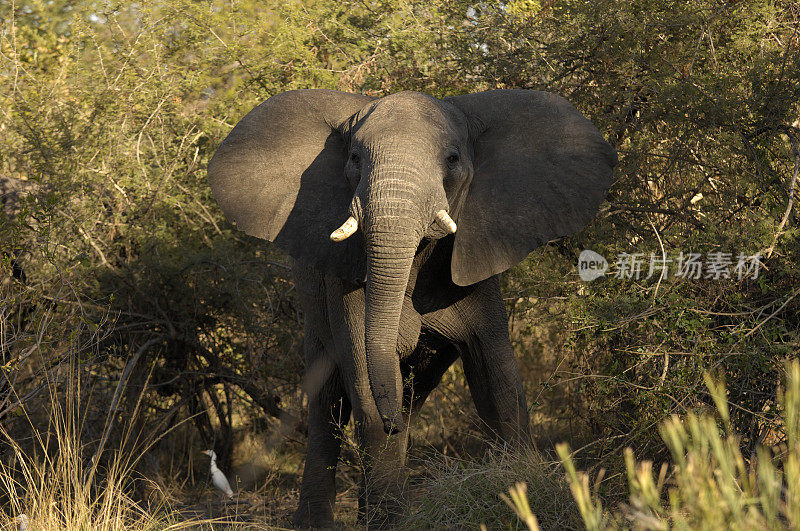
[392, 233]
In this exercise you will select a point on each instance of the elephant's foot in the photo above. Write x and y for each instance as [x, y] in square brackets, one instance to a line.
[382, 507]
[379, 516]
[377, 520]
[313, 516]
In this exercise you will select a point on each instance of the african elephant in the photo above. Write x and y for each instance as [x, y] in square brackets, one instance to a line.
[399, 213]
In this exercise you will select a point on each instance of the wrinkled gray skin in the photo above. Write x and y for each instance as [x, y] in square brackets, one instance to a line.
[389, 309]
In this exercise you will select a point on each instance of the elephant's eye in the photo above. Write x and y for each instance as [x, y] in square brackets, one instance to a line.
[354, 158]
[452, 158]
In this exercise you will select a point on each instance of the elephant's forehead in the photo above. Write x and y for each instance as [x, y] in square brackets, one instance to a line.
[406, 113]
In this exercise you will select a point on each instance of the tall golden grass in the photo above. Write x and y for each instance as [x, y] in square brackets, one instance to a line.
[62, 481]
[709, 483]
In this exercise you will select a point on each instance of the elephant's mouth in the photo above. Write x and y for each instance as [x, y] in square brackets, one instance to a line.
[349, 227]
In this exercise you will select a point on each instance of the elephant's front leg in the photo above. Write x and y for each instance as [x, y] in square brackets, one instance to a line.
[328, 404]
[490, 365]
[329, 412]
[496, 387]
[383, 459]
[382, 456]
[479, 324]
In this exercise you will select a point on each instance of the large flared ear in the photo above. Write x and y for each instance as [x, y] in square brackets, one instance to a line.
[279, 175]
[541, 171]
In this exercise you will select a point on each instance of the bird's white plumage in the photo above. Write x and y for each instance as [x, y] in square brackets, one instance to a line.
[217, 477]
[22, 522]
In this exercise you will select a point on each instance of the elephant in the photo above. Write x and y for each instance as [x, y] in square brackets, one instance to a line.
[398, 215]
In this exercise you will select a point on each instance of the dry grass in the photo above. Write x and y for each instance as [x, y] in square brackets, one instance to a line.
[58, 483]
[457, 493]
[56, 487]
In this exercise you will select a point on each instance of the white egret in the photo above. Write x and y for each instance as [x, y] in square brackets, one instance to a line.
[217, 477]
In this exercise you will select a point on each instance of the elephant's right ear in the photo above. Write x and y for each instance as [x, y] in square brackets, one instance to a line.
[541, 171]
[279, 175]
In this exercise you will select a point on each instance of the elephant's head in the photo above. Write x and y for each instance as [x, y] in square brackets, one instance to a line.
[505, 170]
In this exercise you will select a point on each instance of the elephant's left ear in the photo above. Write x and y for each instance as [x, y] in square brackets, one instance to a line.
[541, 171]
[279, 175]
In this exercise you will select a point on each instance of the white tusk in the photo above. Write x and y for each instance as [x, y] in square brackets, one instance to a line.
[345, 231]
[445, 221]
